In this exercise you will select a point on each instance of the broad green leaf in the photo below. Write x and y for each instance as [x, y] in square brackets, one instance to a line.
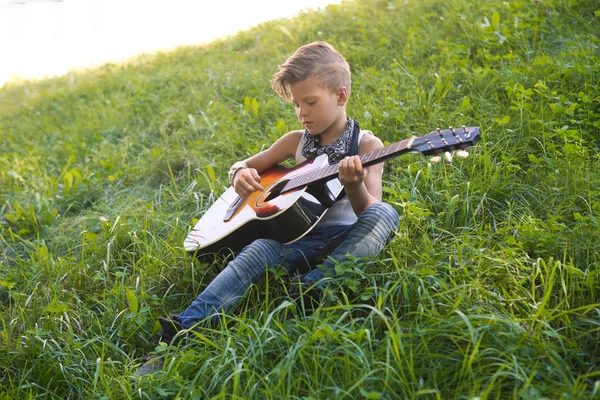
[211, 173]
[466, 102]
[132, 301]
[280, 127]
[510, 239]
[7, 284]
[495, 21]
[43, 252]
[502, 121]
[322, 332]
[370, 395]
[56, 307]
[68, 181]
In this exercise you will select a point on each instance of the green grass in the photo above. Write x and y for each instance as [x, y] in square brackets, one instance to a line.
[491, 288]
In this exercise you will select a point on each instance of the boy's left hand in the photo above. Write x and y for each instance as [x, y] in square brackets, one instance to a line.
[351, 171]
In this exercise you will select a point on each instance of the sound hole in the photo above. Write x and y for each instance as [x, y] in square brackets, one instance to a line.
[274, 190]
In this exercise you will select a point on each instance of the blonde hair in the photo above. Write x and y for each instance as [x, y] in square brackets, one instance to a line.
[317, 59]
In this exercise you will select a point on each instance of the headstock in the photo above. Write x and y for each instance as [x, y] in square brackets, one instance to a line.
[440, 141]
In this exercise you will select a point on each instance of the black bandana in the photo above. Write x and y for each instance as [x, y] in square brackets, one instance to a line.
[335, 151]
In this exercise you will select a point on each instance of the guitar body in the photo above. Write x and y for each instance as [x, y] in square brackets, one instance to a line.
[295, 199]
[232, 222]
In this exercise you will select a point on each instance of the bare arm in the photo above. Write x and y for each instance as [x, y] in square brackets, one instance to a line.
[247, 180]
[362, 185]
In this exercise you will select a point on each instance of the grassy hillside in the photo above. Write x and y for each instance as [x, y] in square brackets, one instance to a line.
[491, 288]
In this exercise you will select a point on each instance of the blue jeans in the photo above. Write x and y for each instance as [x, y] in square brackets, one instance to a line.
[365, 238]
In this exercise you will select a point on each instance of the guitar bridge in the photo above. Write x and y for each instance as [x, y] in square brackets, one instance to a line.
[233, 207]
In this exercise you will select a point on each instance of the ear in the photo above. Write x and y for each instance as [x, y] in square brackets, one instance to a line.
[342, 96]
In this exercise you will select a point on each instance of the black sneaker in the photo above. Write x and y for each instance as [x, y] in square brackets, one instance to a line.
[152, 365]
[171, 327]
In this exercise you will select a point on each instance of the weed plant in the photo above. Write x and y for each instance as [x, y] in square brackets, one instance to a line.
[490, 289]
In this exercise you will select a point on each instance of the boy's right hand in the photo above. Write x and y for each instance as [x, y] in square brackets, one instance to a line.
[246, 181]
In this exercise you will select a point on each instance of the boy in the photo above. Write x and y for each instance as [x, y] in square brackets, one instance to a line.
[316, 79]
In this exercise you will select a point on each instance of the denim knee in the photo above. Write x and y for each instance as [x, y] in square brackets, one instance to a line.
[381, 208]
[264, 249]
[382, 215]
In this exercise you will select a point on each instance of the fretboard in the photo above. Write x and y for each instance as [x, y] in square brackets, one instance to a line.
[331, 171]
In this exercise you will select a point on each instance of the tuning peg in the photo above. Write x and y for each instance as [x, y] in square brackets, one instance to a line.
[462, 154]
[435, 159]
[448, 157]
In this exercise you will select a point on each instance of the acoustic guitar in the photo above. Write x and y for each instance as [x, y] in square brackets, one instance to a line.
[295, 199]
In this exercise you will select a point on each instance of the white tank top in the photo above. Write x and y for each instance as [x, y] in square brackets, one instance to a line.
[341, 212]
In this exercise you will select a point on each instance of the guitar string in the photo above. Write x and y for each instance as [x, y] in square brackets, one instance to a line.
[303, 178]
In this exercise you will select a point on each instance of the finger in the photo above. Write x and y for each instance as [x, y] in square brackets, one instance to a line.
[350, 168]
[350, 164]
[344, 169]
[255, 175]
[254, 181]
[240, 190]
[246, 186]
[343, 165]
[358, 167]
[256, 186]
[248, 182]
[462, 154]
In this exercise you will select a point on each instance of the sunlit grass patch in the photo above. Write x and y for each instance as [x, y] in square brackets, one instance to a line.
[488, 290]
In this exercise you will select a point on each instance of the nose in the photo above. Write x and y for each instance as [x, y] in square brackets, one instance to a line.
[302, 111]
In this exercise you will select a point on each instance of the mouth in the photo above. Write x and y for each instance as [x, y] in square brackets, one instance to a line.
[307, 124]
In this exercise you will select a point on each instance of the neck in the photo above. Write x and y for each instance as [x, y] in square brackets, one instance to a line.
[331, 171]
[335, 130]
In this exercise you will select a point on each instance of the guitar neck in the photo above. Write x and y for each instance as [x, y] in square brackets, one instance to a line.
[332, 171]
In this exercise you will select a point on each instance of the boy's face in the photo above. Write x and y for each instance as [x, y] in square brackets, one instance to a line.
[317, 107]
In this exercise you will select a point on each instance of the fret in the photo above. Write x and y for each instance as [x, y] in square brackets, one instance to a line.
[293, 182]
[378, 153]
[318, 174]
[322, 172]
[302, 180]
[288, 185]
[372, 157]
